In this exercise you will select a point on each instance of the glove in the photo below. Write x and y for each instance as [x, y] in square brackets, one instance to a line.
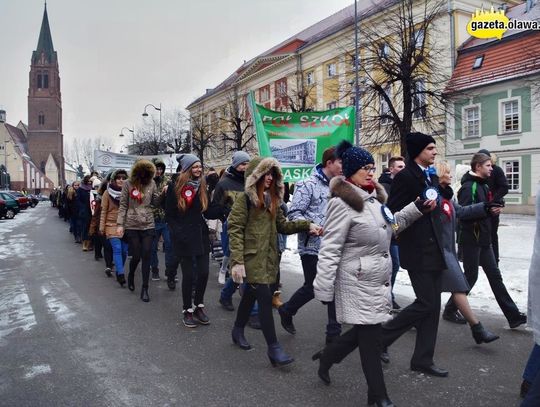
[326, 302]
[238, 272]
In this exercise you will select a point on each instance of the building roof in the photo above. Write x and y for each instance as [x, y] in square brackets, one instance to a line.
[516, 55]
[45, 43]
[18, 137]
[309, 36]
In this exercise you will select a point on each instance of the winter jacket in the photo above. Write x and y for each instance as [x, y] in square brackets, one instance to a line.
[386, 181]
[420, 246]
[159, 212]
[225, 193]
[96, 214]
[83, 204]
[498, 184]
[475, 232]
[253, 231]
[309, 203]
[533, 314]
[189, 231]
[108, 216]
[355, 266]
[133, 214]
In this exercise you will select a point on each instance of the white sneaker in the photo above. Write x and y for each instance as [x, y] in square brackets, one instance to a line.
[221, 276]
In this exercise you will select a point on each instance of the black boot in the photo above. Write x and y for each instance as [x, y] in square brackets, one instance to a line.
[277, 355]
[482, 335]
[286, 321]
[121, 280]
[144, 294]
[239, 339]
[131, 280]
[324, 368]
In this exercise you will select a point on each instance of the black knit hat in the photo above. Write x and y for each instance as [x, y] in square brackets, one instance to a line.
[416, 142]
[352, 158]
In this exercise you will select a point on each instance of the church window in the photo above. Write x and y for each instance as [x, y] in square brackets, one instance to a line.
[39, 81]
[45, 80]
[41, 119]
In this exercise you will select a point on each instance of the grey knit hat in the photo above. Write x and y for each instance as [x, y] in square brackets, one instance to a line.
[186, 161]
[240, 157]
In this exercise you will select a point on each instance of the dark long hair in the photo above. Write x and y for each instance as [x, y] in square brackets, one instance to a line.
[273, 191]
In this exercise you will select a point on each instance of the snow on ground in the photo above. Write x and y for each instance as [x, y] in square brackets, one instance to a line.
[516, 237]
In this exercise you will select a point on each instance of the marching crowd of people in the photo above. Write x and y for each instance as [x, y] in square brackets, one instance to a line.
[354, 234]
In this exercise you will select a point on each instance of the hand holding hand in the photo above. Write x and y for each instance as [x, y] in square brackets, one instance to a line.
[238, 272]
[120, 231]
[495, 210]
[315, 230]
[164, 190]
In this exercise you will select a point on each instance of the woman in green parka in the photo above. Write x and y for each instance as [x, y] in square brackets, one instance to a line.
[253, 224]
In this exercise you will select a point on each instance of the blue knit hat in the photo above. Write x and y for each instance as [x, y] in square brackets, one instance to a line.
[352, 158]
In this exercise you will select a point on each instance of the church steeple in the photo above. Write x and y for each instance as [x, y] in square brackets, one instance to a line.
[45, 43]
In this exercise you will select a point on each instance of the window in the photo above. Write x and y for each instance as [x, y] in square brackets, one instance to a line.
[384, 50]
[281, 88]
[384, 158]
[471, 121]
[511, 170]
[264, 94]
[419, 38]
[331, 105]
[419, 99]
[331, 70]
[41, 119]
[39, 81]
[45, 80]
[385, 107]
[478, 62]
[310, 78]
[510, 116]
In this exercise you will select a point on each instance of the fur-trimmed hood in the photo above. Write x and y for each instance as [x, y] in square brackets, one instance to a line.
[142, 172]
[256, 169]
[354, 196]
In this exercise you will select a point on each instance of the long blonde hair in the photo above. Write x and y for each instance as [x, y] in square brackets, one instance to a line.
[183, 178]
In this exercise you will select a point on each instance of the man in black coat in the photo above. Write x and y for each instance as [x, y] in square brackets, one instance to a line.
[420, 252]
[475, 239]
[498, 185]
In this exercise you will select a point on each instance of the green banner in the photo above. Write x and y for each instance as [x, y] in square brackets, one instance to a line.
[298, 140]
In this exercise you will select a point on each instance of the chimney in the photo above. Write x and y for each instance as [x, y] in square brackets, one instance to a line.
[2, 116]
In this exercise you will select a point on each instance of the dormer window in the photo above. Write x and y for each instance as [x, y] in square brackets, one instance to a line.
[478, 62]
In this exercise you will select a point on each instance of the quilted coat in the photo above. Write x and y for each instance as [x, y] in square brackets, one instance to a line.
[354, 266]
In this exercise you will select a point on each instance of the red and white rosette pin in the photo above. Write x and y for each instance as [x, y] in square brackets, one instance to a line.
[188, 193]
[136, 194]
[447, 208]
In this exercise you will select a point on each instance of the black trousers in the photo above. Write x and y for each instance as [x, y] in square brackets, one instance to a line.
[262, 293]
[475, 256]
[368, 340]
[102, 245]
[140, 248]
[495, 236]
[305, 294]
[423, 314]
[194, 269]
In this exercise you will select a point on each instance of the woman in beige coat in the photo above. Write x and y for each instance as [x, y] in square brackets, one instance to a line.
[354, 266]
[110, 203]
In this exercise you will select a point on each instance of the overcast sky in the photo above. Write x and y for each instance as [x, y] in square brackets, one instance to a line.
[116, 56]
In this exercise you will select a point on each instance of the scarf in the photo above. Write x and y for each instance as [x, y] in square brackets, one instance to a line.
[368, 188]
[114, 192]
[86, 187]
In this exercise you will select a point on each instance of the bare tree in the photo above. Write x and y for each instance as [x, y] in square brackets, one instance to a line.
[237, 134]
[80, 151]
[202, 137]
[301, 99]
[401, 74]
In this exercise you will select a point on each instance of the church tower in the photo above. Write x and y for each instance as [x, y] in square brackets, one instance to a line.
[45, 105]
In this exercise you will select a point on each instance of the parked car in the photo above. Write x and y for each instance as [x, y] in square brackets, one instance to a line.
[33, 200]
[12, 207]
[3, 209]
[41, 197]
[22, 200]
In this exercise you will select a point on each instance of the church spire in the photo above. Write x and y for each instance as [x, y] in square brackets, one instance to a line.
[45, 43]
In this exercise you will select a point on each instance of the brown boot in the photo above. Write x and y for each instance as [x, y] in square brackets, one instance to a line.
[276, 300]
[90, 245]
[85, 245]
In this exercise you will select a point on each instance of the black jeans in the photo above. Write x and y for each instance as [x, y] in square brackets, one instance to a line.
[305, 294]
[262, 293]
[140, 248]
[475, 256]
[495, 236]
[194, 268]
[368, 340]
[423, 314]
[102, 245]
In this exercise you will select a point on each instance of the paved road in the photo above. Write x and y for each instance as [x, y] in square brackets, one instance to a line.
[69, 336]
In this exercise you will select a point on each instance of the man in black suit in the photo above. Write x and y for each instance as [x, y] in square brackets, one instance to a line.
[420, 252]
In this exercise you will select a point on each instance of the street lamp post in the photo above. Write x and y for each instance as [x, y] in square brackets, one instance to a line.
[158, 109]
[356, 85]
[130, 130]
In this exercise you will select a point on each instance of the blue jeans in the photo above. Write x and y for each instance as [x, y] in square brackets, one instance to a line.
[394, 254]
[162, 230]
[120, 251]
[532, 375]
[225, 241]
